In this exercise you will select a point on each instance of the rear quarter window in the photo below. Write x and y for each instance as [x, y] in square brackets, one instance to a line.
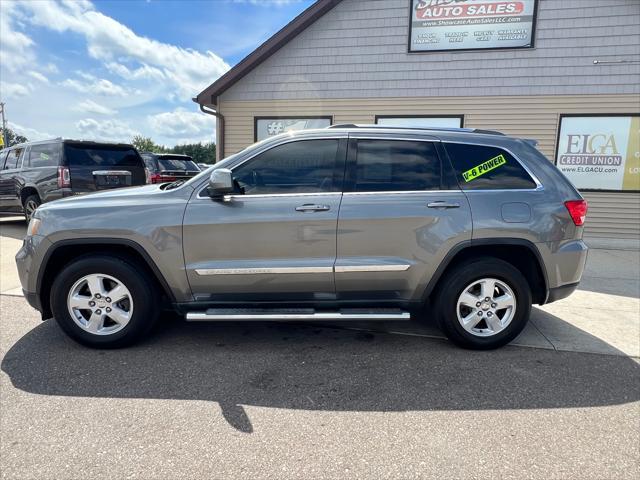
[44, 155]
[481, 167]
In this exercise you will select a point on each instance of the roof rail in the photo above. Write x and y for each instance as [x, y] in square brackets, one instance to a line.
[436, 129]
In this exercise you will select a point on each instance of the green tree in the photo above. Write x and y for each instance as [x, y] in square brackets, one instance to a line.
[201, 153]
[144, 144]
[12, 138]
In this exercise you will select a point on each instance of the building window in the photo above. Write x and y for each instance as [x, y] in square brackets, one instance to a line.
[421, 121]
[467, 25]
[600, 152]
[265, 127]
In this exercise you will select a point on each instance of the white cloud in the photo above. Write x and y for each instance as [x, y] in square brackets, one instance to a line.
[89, 106]
[97, 86]
[108, 130]
[183, 124]
[186, 70]
[38, 76]
[268, 3]
[31, 133]
[144, 72]
[13, 90]
[16, 48]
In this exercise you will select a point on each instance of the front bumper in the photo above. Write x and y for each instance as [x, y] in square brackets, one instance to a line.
[29, 260]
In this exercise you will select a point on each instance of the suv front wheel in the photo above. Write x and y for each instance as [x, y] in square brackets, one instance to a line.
[103, 302]
[483, 304]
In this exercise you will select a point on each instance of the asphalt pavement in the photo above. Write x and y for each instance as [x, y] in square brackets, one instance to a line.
[324, 401]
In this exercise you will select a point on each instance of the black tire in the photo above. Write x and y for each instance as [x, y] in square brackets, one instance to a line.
[30, 204]
[145, 300]
[461, 276]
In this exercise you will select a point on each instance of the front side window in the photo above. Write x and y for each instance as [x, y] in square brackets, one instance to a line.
[306, 166]
[481, 167]
[44, 155]
[396, 165]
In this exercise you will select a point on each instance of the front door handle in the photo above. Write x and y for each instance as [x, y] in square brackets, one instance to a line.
[310, 207]
[441, 204]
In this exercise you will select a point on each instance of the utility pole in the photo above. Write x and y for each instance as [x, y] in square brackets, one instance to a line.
[4, 126]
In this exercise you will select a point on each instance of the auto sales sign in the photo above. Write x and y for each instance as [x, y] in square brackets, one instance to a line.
[440, 25]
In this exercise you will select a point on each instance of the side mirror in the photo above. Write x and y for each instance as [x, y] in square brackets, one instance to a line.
[220, 183]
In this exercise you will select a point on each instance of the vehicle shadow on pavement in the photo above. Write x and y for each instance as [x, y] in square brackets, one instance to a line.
[13, 227]
[307, 367]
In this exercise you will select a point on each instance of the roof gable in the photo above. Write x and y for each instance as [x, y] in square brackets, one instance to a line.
[209, 96]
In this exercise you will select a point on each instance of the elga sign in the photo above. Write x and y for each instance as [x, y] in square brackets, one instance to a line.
[440, 25]
[600, 153]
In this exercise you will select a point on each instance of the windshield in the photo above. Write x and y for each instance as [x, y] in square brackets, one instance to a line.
[177, 163]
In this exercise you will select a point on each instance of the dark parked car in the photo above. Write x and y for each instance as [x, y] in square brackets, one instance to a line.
[37, 172]
[169, 167]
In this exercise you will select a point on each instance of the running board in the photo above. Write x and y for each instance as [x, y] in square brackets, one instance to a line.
[302, 314]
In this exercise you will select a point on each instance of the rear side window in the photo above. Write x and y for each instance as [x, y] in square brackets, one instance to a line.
[13, 158]
[44, 155]
[3, 157]
[396, 165]
[307, 166]
[149, 162]
[480, 167]
[102, 157]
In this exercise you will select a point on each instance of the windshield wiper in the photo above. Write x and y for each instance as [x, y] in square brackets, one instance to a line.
[175, 184]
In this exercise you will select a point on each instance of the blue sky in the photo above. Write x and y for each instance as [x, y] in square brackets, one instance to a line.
[110, 69]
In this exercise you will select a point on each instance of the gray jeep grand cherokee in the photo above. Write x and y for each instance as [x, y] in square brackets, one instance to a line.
[345, 223]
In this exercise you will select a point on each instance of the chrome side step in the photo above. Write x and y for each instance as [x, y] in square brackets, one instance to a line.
[303, 314]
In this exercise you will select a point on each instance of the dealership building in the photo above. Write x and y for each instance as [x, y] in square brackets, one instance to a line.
[563, 72]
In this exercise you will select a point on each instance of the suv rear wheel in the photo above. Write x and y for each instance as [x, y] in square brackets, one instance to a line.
[31, 203]
[483, 304]
[104, 302]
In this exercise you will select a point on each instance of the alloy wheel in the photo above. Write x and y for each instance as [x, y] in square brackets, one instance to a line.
[486, 307]
[100, 304]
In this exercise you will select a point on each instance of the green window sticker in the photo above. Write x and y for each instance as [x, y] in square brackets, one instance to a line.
[484, 167]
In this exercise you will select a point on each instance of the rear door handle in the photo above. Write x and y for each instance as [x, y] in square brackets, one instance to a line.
[310, 207]
[441, 204]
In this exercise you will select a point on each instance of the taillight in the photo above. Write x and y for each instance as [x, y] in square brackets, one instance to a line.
[64, 177]
[147, 176]
[578, 211]
[158, 178]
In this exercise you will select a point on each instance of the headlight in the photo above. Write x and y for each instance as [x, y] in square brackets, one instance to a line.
[34, 225]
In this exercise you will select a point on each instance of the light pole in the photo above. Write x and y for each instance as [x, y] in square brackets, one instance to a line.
[4, 126]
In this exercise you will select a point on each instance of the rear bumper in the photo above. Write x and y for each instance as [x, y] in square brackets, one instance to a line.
[559, 293]
[564, 263]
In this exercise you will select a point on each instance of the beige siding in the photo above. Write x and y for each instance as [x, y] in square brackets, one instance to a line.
[537, 117]
[530, 117]
[613, 215]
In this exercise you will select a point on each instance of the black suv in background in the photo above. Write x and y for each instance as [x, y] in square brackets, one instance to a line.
[37, 172]
[169, 167]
